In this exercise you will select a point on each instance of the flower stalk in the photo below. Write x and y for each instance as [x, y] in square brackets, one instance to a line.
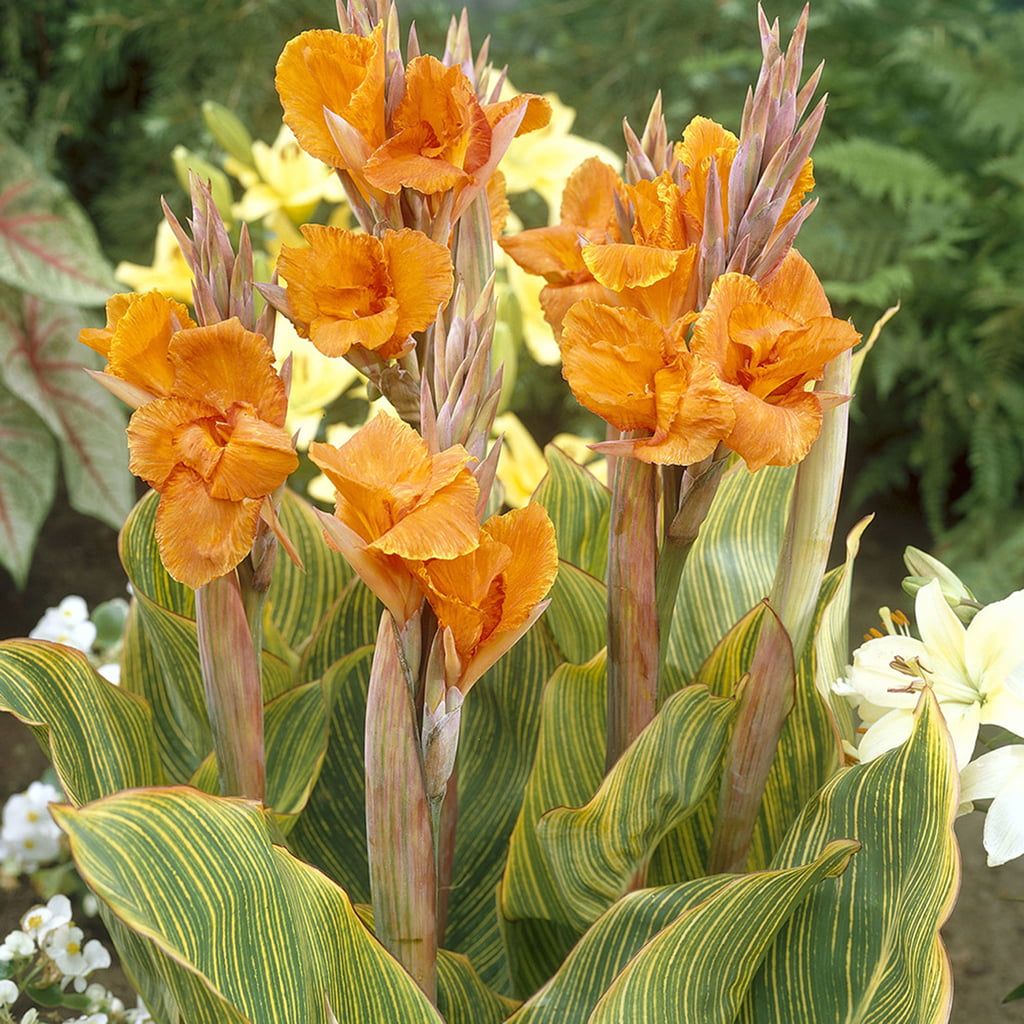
[400, 833]
[230, 666]
[633, 634]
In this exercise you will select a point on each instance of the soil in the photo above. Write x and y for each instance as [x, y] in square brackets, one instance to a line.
[984, 937]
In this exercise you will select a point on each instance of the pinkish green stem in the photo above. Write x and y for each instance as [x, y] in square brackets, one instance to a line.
[633, 646]
[403, 879]
[230, 666]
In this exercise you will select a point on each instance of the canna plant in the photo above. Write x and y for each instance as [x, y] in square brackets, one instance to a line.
[417, 759]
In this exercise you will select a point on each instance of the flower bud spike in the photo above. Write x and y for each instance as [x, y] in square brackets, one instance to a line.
[807, 92]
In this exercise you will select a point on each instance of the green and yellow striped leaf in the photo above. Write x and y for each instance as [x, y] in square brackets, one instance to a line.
[832, 638]
[866, 948]
[239, 929]
[685, 952]
[578, 614]
[183, 740]
[100, 738]
[731, 565]
[578, 504]
[566, 773]
[348, 625]
[295, 738]
[299, 599]
[331, 830]
[141, 560]
[595, 851]
[500, 726]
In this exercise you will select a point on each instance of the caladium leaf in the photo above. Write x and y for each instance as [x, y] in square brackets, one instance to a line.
[43, 363]
[28, 481]
[47, 245]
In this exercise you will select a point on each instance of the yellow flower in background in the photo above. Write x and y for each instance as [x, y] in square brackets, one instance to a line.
[525, 291]
[284, 179]
[543, 160]
[317, 380]
[169, 273]
[522, 465]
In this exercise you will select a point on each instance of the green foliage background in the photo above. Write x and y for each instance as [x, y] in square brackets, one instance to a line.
[920, 170]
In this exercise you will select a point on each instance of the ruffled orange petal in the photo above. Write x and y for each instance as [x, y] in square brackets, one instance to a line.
[659, 214]
[224, 364]
[402, 162]
[255, 460]
[795, 288]
[442, 135]
[694, 413]
[588, 201]
[138, 350]
[398, 497]
[342, 72]
[609, 358]
[710, 338]
[629, 266]
[421, 278]
[556, 301]
[98, 338]
[530, 537]
[537, 114]
[152, 432]
[466, 593]
[776, 434]
[553, 253]
[201, 537]
[340, 275]
[705, 141]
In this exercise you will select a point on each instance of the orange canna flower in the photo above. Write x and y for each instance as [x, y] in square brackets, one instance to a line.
[653, 274]
[766, 344]
[135, 344]
[638, 376]
[397, 505]
[214, 447]
[350, 288]
[705, 141]
[489, 597]
[324, 70]
[443, 138]
[556, 253]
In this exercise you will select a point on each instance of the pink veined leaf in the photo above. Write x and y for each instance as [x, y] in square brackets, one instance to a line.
[28, 481]
[42, 363]
[47, 245]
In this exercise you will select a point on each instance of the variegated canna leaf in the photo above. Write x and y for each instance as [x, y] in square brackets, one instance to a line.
[234, 927]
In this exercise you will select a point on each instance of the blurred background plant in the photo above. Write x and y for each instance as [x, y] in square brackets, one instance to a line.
[920, 164]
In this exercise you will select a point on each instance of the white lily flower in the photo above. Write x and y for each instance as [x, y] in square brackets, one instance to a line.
[976, 673]
[999, 776]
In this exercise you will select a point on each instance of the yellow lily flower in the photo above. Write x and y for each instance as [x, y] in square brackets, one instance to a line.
[168, 274]
[283, 179]
[543, 160]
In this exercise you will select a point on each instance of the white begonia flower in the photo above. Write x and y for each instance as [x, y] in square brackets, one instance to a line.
[30, 1016]
[17, 946]
[8, 992]
[111, 672]
[39, 921]
[91, 1018]
[139, 1014]
[64, 947]
[976, 673]
[67, 624]
[29, 835]
[999, 776]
